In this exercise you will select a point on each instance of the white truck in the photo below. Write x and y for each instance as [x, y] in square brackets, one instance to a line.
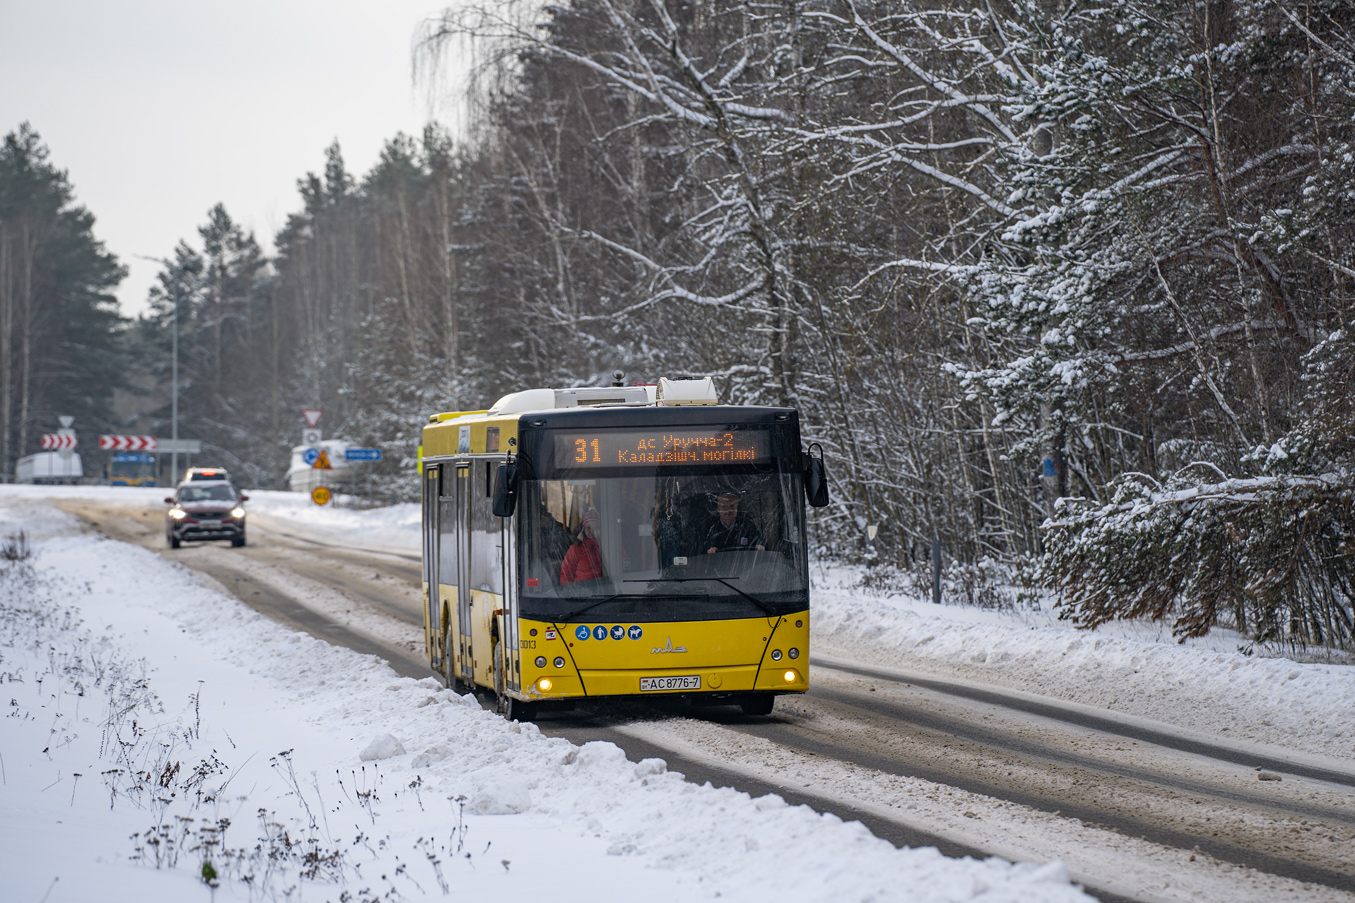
[51, 468]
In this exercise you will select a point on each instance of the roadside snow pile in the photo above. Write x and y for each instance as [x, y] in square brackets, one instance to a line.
[390, 529]
[1245, 698]
[149, 496]
[163, 737]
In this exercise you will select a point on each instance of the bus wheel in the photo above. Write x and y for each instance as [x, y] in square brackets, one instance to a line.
[517, 710]
[758, 705]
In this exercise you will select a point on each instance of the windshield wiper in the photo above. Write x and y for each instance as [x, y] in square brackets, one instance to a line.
[756, 601]
[589, 607]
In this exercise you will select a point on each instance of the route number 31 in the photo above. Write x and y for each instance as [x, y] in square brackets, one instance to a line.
[581, 447]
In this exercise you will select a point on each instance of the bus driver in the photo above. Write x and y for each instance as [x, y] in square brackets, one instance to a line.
[732, 531]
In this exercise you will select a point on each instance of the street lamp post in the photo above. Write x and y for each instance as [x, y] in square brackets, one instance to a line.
[174, 390]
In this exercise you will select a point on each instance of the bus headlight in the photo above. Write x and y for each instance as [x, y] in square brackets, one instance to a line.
[559, 661]
[541, 661]
[544, 684]
[793, 652]
[791, 677]
[776, 655]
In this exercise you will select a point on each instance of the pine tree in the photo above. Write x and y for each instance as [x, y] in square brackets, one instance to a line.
[61, 337]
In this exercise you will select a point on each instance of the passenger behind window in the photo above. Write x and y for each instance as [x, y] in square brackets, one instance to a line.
[583, 561]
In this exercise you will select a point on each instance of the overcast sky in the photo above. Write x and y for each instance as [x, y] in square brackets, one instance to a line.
[158, 109]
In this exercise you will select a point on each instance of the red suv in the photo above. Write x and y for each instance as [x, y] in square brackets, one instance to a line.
[202, 509]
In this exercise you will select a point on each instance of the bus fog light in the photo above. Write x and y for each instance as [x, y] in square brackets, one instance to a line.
[544, 684]
[791, 677]
[776, 655]
[541, 661]
[793, 653]
[559, 661]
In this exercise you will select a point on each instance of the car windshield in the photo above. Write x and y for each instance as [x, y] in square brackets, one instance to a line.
[220, 493]
[670, 547]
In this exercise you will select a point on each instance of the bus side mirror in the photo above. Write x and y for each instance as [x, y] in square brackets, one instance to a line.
[816, 479]
[505, 490]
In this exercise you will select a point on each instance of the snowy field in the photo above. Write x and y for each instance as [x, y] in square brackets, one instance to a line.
[161, 739]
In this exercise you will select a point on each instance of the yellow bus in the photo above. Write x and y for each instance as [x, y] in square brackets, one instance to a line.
[624, 541]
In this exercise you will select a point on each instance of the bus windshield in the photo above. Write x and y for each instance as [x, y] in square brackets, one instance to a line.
[661, 546]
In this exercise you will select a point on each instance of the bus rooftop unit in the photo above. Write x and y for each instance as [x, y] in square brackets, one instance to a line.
[624, 541]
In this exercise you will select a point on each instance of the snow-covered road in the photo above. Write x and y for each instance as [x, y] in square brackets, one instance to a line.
[681, 843]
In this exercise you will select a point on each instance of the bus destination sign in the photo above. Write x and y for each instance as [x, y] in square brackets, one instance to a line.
[646, 448]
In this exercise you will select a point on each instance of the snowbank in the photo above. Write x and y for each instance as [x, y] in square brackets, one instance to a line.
[389, 529]
[1206, 686]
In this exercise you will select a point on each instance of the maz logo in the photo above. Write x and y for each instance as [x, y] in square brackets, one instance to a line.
[668, 648]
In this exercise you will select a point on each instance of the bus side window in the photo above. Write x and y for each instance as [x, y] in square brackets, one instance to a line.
[486, 537]
[448, 570]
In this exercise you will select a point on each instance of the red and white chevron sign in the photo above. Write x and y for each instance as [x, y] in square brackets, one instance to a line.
[127, 443]
[58, 440]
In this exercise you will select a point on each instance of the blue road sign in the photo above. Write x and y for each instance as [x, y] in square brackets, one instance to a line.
[310, 456]
[362, 454]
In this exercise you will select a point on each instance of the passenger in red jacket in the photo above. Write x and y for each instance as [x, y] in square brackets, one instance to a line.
[583, 561]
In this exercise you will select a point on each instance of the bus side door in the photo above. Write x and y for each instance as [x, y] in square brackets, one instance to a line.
[432, 614]
[513, 641]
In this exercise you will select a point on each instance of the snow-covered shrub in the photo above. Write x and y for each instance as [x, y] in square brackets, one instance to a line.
[888, 580]
[987, 583]
[1270, 556]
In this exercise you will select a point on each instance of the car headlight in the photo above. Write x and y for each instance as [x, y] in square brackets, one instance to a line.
[237, 511]
[177, 513]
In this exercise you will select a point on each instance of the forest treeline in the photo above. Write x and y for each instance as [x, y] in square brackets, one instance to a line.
[999, 254]
[61, 348]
